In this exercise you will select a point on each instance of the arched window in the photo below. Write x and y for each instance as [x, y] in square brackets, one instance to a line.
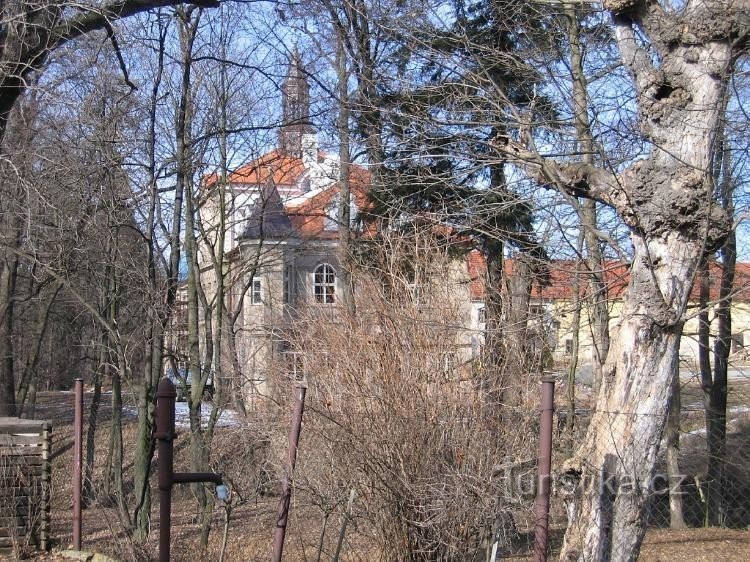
[324, 284]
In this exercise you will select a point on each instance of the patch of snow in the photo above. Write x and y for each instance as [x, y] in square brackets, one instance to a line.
[227, 418]
[693, 407]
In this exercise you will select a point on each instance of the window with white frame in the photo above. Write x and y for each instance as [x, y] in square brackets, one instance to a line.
[324, 284]
[256, 294]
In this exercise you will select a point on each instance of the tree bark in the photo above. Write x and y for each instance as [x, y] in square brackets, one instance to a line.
[33, 360]
[717, 431]
[344, 218]
[8, 275]
[614, 466]
[160, 311]
[494, 354]
[575, 326]
[516, 319]
[93, 418]
[704, 359]
[665, 201]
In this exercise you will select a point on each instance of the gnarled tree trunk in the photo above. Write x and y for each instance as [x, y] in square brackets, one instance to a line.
[680, 61]
[613, 468]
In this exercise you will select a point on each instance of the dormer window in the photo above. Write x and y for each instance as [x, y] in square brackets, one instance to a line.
[324, 284]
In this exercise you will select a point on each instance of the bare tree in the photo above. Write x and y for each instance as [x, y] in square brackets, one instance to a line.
[679, 61]
[664, 200]
[31, 31]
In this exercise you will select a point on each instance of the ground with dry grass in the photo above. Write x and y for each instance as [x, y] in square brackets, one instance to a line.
[252, 521]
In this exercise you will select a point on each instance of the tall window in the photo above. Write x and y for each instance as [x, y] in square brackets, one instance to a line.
[482, 316]
[324, 284]
[288, 284]
[257, 293]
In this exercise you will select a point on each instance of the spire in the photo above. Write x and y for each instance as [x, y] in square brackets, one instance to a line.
[295, 107]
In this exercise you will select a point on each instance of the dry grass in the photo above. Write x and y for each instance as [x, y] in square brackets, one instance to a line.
[252, 524]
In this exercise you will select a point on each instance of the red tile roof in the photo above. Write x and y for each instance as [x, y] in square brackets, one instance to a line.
[282, 170]
[309, 217]
[276, 166]
[559, 285]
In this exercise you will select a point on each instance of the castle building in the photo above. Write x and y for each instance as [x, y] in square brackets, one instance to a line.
[282, 258]
[281, 234]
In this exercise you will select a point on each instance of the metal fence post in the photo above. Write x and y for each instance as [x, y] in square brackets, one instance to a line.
[165, 398]
[286, 483]
[166, 476]
[77, 465]
[541, 507]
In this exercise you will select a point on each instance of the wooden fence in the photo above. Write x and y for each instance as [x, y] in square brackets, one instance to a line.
[25, 447]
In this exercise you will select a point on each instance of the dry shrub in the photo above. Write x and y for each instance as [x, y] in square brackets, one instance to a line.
[395, 412]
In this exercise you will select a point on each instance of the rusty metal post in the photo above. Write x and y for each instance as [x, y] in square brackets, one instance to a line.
[165, 398]
[286, 483]
[166, 476]
[77, 465]
[544, 468]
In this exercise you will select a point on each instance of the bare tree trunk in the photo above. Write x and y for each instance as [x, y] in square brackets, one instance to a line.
[32, 361]
[672, 441]
[115, 430]
[717, 431]
[219, 310]
[613, 467]
[575, 326]
[117, 456]
[665, 200]
[199, 370]
[494, 344]
[88, 479]
[8, 274]
[516, 316]
[158, 315]
[704, 337]
[599, 313]
[704, 352]
[344, 218]
[102, 368]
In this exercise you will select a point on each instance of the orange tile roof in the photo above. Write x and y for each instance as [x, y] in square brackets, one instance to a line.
[274, 166]
[281, 169]
[559, 285]
[309, 217]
